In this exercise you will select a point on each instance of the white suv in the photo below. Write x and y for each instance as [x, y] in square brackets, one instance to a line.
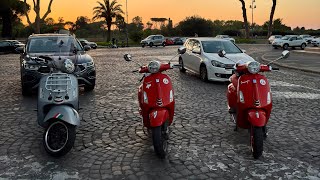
[226, 37]
[289, 41]
[153, 40]
[308, 38]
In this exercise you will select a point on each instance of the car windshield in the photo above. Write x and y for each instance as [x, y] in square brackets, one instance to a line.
[215, 46]
[225, 36]
[53, 45]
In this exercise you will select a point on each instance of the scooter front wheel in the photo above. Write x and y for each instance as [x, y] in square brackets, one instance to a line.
[160, 142]
[256, 141]
[59, 138]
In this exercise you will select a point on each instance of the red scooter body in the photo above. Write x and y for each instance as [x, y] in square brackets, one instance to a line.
[250, 96]
[156, 100]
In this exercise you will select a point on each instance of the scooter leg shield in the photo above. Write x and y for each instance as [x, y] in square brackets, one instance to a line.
[257, 118]
[64, 113]
[158, 117]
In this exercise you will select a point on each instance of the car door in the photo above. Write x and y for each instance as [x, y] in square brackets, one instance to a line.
[186, 56]
[293, 41]
[299, 41]
[195, 58]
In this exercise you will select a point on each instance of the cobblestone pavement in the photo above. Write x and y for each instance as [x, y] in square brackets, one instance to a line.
[111, 143]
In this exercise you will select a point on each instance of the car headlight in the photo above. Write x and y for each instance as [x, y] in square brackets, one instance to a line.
[68, 66]
[253, 67]
[154, 66]
[31, 67]
[217, 64]
[88, 64]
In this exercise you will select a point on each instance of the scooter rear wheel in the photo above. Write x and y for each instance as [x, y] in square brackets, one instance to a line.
[160, 143]
[256, 141]
[59, 137]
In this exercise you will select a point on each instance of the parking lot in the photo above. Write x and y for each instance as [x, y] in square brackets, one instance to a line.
[112, 144]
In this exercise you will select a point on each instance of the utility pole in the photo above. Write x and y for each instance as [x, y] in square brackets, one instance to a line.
[127, 23]
[252, 6]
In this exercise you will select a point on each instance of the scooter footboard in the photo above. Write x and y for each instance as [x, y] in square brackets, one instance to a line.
[64, 113]
[257, 117]
[158, 117]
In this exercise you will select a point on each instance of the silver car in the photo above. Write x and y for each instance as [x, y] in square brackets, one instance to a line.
[153, 40]
[202, 58]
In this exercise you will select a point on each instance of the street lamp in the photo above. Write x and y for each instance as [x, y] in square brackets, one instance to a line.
[127, 23]
[252, 6]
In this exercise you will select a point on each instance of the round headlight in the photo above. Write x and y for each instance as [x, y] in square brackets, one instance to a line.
[68, 66]
[154, 66]
[253, 67]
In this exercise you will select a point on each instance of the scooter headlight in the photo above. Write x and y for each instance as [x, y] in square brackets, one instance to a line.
[154, 66]
[253, 67]
[68, 66]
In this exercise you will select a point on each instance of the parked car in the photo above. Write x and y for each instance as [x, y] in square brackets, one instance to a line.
[84, 42]
[273, 37]
[47, 46]
[226, 37]
[153, 40]
[202, 58]
[316, 42]
[169, 41]
[10, 46]
[308, 38]
[289, 41]
[184, 39]
[177, 41]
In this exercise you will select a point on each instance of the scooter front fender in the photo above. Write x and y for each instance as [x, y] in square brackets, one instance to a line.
[64, 113]
[158, 117]
[257, 117]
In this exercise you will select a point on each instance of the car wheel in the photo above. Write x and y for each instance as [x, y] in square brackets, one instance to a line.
[182, 69]
[89, 87]
[25, 91]
[151, 44]
[143, 45]
[203, 73]
[275, 47]
[303, 45]
[163, 44]
[285, 46]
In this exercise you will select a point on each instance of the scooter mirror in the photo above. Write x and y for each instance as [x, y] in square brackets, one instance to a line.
[222, 53]
[127, 57]
[182, 50]
[285, 54]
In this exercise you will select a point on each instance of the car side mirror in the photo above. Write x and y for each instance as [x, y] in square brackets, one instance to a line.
[285, 54]
[222, 53]
[182, 50]
[87, 47]
[20, 49]
[196, 50]
[127, 57]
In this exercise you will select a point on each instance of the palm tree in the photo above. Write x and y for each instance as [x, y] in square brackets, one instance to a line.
[107, 11]
[271, 17]
[244, 13]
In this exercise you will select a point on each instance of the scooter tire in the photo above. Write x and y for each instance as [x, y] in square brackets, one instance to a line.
[70, 131]
[256, 141]
[159, 142]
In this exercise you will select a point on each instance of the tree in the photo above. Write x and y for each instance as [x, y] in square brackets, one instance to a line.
[245, 19]
[82, 22]
[195, 24]
[149, 25]
[107, 11]
[38, 20]
[271, 17]
[10, 12]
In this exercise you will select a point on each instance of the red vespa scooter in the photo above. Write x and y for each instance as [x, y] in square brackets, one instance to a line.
[156, 101]
[249, 100]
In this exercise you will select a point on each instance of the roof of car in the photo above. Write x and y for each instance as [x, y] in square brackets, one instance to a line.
[49, 34]
[208, 39]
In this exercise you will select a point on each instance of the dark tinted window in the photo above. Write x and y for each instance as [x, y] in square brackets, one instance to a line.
[52, 44]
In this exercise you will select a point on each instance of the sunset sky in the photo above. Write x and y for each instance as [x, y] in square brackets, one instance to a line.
[293, 12]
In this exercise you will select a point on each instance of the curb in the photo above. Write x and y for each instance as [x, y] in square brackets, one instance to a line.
[289, 67]
[304, 51]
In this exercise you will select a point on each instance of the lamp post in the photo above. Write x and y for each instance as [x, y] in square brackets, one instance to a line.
[252, 6]
[127, 23]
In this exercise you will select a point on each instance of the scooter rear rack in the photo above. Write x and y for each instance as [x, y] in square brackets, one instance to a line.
[58, 82]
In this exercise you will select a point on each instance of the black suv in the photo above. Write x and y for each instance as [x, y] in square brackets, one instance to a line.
[47, 46]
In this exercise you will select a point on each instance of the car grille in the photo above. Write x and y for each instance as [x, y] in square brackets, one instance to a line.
[229, 66]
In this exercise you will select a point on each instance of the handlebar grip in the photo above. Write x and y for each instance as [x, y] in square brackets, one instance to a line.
[135, 71]
[176, 66]
[275, 68]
